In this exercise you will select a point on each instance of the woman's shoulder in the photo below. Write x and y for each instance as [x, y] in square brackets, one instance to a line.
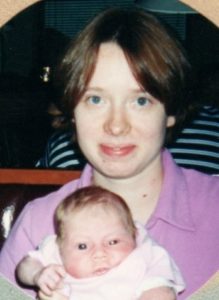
[203, 199]
[196, 177]
[201, 185]
[199, 176]
[51, 200]
[188, 175]
[48, 202]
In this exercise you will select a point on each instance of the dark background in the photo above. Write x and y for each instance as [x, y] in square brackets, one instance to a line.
[35, 38]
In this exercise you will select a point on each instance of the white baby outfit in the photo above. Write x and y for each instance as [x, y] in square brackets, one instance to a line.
[148, 266]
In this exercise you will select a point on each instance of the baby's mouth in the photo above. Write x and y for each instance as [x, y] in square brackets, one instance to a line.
[101, 271]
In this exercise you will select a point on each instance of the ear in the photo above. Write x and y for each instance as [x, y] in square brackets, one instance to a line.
[171, 120]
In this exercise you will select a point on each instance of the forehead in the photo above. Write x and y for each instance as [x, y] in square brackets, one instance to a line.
[94, 224]
[99, 212]
[113, 68]
[106, 50]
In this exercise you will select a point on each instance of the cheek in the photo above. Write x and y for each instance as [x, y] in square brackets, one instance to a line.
[85, 127]
[150, 131]
[85, 138]
[155, 128]
[71, 268]
[124, 250]
[75, 264]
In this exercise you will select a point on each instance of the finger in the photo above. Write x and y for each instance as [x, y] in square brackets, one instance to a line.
[42, 296]
[60, 271]
[46, 290]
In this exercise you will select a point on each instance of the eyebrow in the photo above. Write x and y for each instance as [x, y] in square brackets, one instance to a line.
[98, 89]
[95, 89]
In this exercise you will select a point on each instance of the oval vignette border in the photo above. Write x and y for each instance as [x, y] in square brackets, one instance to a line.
[9, 8]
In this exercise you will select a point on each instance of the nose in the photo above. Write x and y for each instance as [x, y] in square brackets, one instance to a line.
[117, 122]
[99, 252]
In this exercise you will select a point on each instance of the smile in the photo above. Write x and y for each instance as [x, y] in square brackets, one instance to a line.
[117, 151]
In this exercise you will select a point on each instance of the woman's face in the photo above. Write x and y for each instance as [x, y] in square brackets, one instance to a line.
[120, 127]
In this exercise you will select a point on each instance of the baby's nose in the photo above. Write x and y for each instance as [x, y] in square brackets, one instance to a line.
[99, 252]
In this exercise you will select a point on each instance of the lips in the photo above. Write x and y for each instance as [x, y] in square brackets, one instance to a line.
[117, 150]
[101, 271]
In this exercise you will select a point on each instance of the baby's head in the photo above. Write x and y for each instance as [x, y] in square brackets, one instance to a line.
[95, 231]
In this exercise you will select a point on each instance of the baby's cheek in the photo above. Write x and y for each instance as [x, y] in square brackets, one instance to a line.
[126, 249]
[74, 269]
[72, 263]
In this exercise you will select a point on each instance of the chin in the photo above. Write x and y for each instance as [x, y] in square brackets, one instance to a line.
[115, 169]
[117, 174]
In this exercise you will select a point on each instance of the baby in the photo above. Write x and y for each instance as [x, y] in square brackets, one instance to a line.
[98, 252]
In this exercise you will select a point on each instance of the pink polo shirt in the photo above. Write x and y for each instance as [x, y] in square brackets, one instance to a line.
[185, 222]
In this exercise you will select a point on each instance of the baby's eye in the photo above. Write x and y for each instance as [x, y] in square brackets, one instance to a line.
[82, 246]
[142, 101]
[94, 100]
[113, 242]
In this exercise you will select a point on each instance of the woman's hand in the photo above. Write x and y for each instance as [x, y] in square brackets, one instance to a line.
[54, 296]
[163, 292]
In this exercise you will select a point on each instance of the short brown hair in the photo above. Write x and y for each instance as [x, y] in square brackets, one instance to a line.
[156, 58]
[88, 197]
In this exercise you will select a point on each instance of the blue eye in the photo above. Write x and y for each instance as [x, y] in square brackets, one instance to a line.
[94, 99]
[82, 246]
[142, 101]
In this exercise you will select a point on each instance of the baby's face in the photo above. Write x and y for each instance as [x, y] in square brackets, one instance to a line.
[95, 242]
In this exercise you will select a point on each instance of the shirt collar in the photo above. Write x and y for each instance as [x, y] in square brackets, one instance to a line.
[173, 205]
[86, 176]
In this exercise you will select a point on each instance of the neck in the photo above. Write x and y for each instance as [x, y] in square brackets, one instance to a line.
[141, 192]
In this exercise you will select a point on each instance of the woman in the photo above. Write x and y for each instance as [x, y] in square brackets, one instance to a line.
[124, 79]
